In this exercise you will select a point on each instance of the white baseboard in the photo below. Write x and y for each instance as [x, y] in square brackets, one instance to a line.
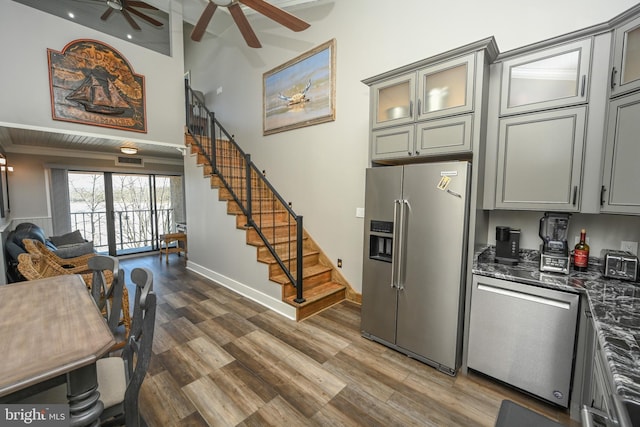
[278, 306]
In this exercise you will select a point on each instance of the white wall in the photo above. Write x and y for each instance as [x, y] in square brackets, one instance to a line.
[321, 168]
[25, 35]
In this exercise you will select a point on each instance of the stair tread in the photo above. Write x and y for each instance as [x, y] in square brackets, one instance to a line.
[308, 271]
[257, 241]
[269, 259]
[317, 293]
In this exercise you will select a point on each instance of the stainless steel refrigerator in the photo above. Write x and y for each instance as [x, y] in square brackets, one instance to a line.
[414, 251]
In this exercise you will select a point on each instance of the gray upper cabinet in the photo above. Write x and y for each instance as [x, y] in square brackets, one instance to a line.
[540, 160]
[393, 101]
[551, 78]
[625, 72]
[621, 175]
[431, 107]
[446, 89]
[537, 126]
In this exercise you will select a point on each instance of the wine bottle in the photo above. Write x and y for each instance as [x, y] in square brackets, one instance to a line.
[581, 253]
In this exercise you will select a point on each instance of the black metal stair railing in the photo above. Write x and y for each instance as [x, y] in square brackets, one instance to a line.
[273, 219]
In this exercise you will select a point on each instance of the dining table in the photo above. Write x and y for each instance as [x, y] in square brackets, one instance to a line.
[52, 329]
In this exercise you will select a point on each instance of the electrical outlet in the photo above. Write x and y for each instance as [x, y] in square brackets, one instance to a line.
[629, 247]
[339, 263]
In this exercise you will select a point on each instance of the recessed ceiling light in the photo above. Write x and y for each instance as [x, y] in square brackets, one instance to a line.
[71, 15]
[128, 150]
[129, 36]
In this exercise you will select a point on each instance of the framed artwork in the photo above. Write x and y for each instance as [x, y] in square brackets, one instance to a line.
[92, 83]
[301, 92]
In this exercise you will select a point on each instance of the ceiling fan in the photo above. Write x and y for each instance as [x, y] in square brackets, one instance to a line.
[128, 7]
[260, 6]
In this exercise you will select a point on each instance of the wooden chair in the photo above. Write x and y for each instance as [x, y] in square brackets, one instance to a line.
[108, 295]
[75, 265]
[34, 267]
[120, 378]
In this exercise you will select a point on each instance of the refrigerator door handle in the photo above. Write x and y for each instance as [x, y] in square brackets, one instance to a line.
[404, 205]
[394, 246]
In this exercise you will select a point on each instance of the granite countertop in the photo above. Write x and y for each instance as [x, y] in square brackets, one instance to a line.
[614, 304]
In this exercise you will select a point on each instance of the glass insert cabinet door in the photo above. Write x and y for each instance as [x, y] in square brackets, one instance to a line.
[546, 79]
[625, 74]
[393, 101]
[446, 88]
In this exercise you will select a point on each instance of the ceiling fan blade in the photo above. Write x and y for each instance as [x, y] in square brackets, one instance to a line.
[130, 20]
[203, 22]
[283, 17]
[244, 26]
[107, 14]
[145, 17]
[141, 5]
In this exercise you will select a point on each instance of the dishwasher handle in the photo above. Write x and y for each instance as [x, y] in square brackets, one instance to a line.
[524, 296]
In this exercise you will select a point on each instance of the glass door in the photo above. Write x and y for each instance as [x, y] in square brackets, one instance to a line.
[125, 213]
[393, 101]
[626, 69]
[547, 79]
[446, 88]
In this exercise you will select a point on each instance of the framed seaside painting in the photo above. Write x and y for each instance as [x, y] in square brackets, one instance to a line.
[300, 92]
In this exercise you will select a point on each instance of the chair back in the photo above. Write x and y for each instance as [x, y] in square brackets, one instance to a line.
[137, 352]
[107, 296]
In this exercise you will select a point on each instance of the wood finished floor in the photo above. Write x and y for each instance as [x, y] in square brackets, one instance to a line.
[223, 360]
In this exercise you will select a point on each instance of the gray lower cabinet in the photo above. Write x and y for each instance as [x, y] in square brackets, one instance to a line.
[540, 160]
[621, 173]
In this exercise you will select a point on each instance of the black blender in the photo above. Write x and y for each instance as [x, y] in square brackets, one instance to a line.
[554, 251]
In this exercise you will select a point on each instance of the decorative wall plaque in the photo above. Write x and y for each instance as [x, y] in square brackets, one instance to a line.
[92, 83]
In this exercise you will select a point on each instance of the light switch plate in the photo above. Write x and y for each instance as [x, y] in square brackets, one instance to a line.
[359, 212]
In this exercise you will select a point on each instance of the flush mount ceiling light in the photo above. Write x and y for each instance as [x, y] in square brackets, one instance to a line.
[115, 4]
[128, 150]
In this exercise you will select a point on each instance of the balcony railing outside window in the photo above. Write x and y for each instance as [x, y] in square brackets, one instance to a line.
[134, 228]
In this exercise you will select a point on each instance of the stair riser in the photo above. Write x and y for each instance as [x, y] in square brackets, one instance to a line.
[318, 306]
[307, 261]
[256, 196]
[278, 217]
[281, 248]
[273, 232]
[308, 283]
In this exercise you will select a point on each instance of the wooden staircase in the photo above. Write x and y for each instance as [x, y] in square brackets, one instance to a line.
[323, 284]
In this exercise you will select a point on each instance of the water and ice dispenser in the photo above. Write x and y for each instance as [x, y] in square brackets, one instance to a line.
[381, 240]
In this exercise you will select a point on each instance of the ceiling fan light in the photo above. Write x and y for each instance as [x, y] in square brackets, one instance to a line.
[128, 150]
[115, 4]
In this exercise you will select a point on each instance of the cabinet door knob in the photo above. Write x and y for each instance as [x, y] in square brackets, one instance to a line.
[613, 77]
[584, 84]
[417, 153]
[602, 190]
[409, 153]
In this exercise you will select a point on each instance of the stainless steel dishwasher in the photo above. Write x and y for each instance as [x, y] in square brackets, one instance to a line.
[524, 335]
